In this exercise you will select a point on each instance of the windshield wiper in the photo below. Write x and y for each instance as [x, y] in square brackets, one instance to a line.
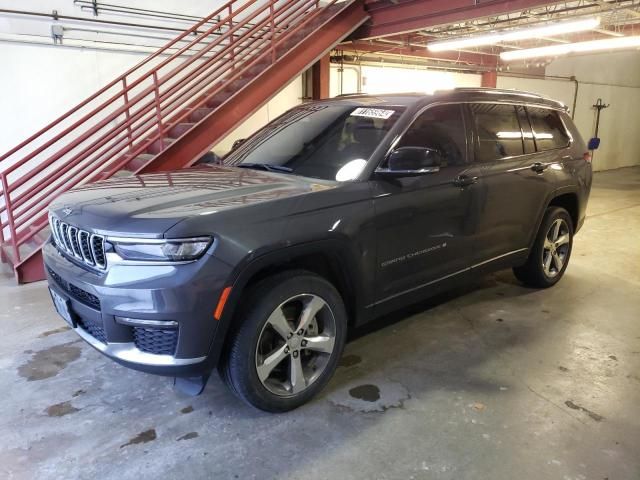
[266, 166]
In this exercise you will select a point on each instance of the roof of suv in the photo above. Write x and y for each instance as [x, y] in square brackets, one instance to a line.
[458, 94]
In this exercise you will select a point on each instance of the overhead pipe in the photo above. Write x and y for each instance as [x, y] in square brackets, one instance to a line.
[57, 16]
[96, 7]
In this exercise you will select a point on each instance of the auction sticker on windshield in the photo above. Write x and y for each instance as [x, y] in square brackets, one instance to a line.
[372, 112]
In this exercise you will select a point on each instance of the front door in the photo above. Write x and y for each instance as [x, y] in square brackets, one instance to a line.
[425, 223]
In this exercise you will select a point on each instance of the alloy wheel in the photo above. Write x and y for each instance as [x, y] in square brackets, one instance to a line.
[556, 248]
[295, 344]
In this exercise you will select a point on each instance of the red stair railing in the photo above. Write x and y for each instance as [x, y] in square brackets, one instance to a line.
[136, 112]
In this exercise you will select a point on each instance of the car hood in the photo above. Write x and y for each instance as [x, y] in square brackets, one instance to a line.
[149, 205]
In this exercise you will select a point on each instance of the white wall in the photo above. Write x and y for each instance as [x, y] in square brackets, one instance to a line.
[613, 77]
[376, 79]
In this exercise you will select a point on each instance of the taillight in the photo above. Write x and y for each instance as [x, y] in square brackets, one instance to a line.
[587, 157]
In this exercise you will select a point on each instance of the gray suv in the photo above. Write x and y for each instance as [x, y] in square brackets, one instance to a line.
[335, 213]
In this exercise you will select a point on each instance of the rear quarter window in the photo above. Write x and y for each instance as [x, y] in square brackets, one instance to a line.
[549, 132]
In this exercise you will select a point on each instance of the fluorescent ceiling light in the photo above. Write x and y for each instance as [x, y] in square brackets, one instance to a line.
[513, 35]
[579, 47]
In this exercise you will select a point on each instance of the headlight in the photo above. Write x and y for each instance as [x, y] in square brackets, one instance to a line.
[178, 250]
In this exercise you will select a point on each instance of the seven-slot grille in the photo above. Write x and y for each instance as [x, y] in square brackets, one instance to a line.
[85, 247]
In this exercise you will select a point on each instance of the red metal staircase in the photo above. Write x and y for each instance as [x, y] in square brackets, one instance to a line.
[165, 112]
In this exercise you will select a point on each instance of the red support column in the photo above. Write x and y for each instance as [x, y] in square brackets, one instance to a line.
[320, 78]
[489, 79]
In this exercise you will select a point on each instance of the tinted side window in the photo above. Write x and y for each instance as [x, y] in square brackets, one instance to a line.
[548, 130]
[440, 128]
[498, 132]
[525, 126]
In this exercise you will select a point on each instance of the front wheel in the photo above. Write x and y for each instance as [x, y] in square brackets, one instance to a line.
[551, 250]
[288, 345]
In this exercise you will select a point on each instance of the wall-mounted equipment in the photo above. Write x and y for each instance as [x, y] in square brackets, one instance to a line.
[57, 33]
[594, 142]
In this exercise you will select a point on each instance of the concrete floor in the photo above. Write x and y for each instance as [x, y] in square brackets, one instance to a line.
[496, 381]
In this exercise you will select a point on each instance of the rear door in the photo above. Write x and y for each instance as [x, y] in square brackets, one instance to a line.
[515, 180]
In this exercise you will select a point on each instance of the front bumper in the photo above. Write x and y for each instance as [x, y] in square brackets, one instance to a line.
[113, 310]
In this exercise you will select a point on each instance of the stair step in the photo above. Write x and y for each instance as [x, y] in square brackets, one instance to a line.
[216, 101]
[26, 248]
[199, 113]
[235, 85]
[258, 68]
[159, 146]
[123, 174]
[6, 254]
[137, 162]
[180, 129]
[42, 235]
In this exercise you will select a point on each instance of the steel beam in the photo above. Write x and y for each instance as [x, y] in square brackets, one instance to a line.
[392, 18]
[489, 79]
[381, 48]
[320, 78]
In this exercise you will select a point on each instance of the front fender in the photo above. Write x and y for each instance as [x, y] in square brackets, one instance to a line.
[339, 250]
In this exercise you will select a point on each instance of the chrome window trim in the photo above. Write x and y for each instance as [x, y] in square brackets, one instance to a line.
[419, 171]
[494, 102]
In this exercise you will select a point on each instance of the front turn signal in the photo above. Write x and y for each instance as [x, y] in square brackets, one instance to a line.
[223, 300]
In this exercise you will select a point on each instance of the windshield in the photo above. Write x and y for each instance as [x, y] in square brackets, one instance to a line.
[331, 142]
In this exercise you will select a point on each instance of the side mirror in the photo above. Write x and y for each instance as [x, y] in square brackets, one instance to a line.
[413, 161]
[237, 143]
[594, 143]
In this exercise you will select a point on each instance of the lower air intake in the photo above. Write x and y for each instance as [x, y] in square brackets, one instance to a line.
[156, 340]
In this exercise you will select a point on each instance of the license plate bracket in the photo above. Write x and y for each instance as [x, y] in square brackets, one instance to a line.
[63, 307]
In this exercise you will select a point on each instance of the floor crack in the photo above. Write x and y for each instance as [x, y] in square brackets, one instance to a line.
[551, 402]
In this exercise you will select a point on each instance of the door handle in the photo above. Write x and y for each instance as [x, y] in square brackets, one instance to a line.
[539, 167]
[464, 180]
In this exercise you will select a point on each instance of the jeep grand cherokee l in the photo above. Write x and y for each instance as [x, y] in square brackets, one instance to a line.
[335, 213]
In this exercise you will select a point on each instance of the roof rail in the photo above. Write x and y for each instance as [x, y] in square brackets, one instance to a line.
[511, 91]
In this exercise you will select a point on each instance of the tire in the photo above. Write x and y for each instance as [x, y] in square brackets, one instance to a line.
[264, 354]
[541, 269]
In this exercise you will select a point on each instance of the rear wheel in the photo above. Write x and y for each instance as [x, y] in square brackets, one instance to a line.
[289, 342]
[551, 251]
